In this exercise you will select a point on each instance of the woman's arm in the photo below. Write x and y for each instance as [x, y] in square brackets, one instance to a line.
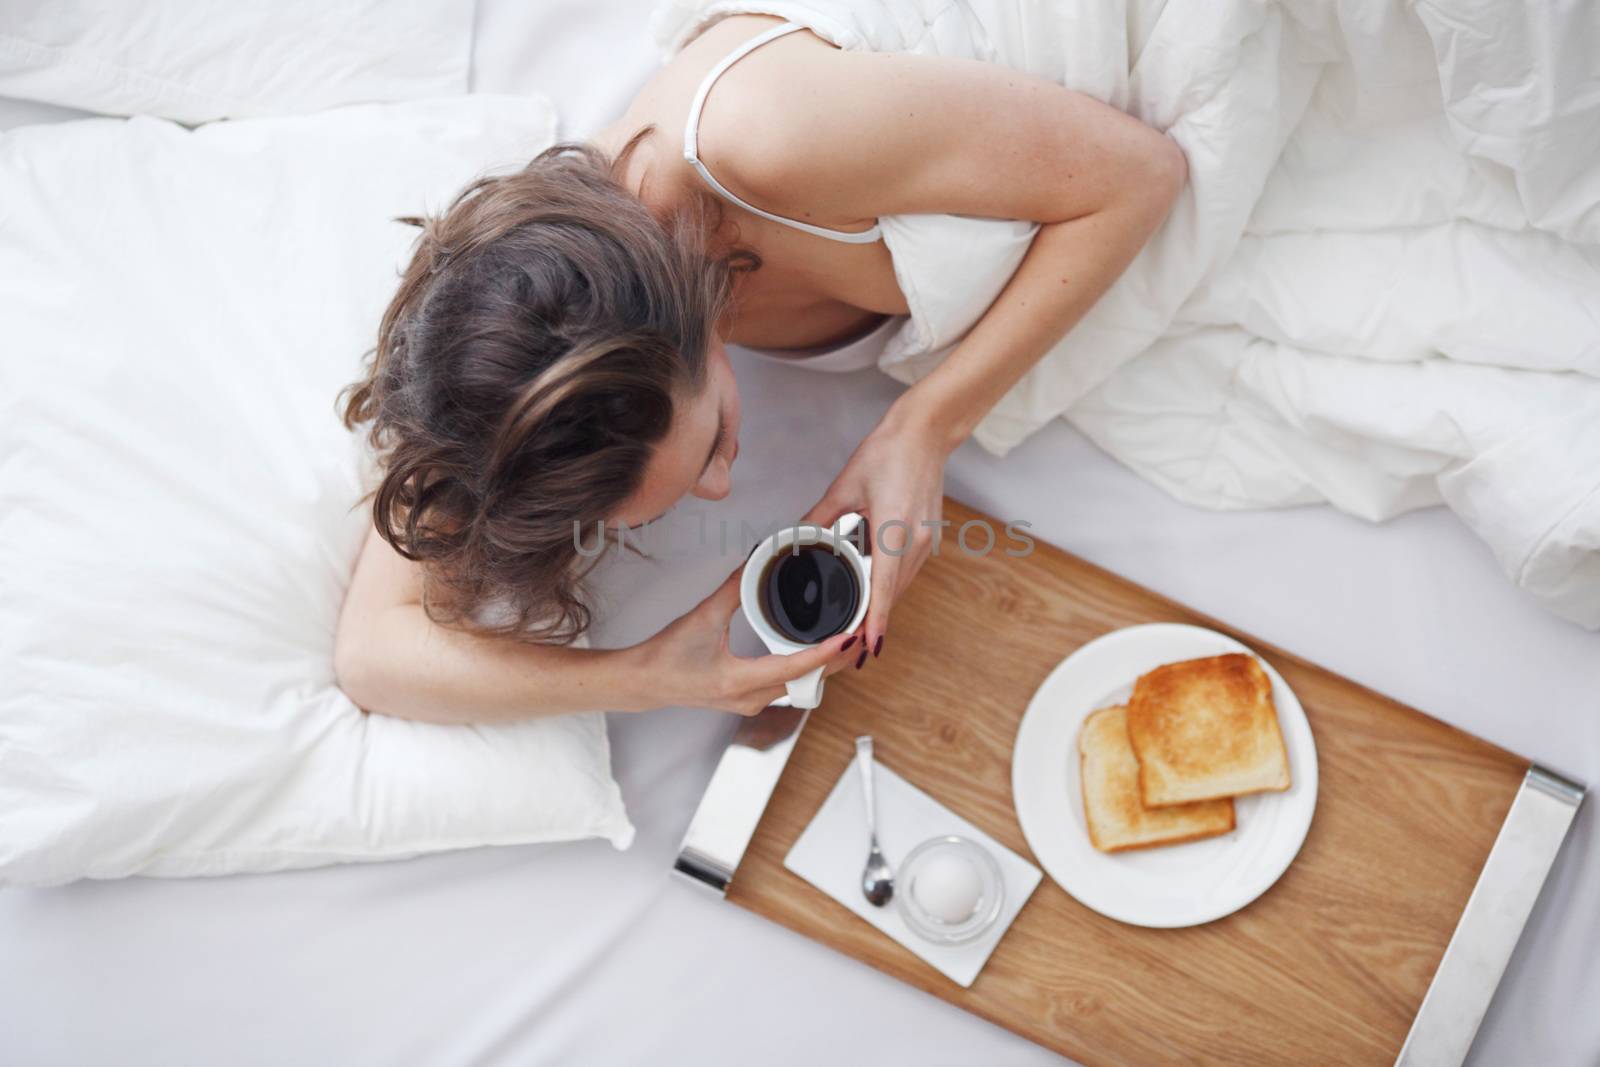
[391, 658]
[874, 135]
[839, 138]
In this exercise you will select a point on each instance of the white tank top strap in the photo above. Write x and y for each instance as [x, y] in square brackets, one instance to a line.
[691, 144]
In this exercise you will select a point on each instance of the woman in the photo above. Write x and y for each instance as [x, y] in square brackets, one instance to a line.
[555, 351]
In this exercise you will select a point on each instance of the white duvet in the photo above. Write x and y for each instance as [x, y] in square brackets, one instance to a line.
[1381, 288]
[1412, 314]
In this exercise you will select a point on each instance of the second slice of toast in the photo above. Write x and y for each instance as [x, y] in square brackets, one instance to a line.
[1117, 817]
[1206, 728]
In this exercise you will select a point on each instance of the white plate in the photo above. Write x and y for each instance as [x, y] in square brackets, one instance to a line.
[1175, 885]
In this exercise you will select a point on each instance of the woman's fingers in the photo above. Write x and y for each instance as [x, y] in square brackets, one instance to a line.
[725, 600]
[788, 668]
[778, 668]
[841, 661]
[885, 584]
[825, 512]
[893, 568]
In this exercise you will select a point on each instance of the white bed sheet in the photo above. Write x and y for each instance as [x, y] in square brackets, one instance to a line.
[577, 954]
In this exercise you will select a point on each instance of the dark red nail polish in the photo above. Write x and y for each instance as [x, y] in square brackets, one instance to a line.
[877, 649]
[848, 643]
[861, 659]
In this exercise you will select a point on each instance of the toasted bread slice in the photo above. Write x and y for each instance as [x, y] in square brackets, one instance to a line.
[1206, 728]
[1117, 817]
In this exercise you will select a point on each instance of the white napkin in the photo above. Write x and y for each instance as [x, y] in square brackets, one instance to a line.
[833, 848]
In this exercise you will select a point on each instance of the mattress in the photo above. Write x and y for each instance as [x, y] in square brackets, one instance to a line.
[579, 954]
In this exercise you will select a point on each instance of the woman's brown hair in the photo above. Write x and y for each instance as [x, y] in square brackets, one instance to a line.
[542, 334]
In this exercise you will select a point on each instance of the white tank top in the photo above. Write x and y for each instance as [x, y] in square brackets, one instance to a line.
[949, 267]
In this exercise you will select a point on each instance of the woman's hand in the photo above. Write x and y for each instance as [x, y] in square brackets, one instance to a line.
[689, 662]
[896, 479]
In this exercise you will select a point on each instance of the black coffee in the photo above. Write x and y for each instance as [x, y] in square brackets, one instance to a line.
[809, 594]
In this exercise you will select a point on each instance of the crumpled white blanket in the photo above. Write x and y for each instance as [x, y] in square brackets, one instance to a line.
[1412, 315]
[1381, 288]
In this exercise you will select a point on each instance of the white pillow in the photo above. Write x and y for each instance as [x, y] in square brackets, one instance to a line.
[178, 515]
[197, 60]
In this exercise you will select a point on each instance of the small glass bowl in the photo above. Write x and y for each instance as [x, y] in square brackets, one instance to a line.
[931, 927]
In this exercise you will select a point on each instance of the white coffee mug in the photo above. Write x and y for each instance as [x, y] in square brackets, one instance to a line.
[805, 691]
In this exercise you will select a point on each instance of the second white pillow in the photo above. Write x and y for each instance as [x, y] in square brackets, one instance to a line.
[197, 60]
[181, 512]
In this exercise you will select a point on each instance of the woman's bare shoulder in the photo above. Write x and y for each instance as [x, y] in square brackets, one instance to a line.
[764, 130]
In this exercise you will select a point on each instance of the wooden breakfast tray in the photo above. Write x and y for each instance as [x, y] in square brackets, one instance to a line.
[1329, 966]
